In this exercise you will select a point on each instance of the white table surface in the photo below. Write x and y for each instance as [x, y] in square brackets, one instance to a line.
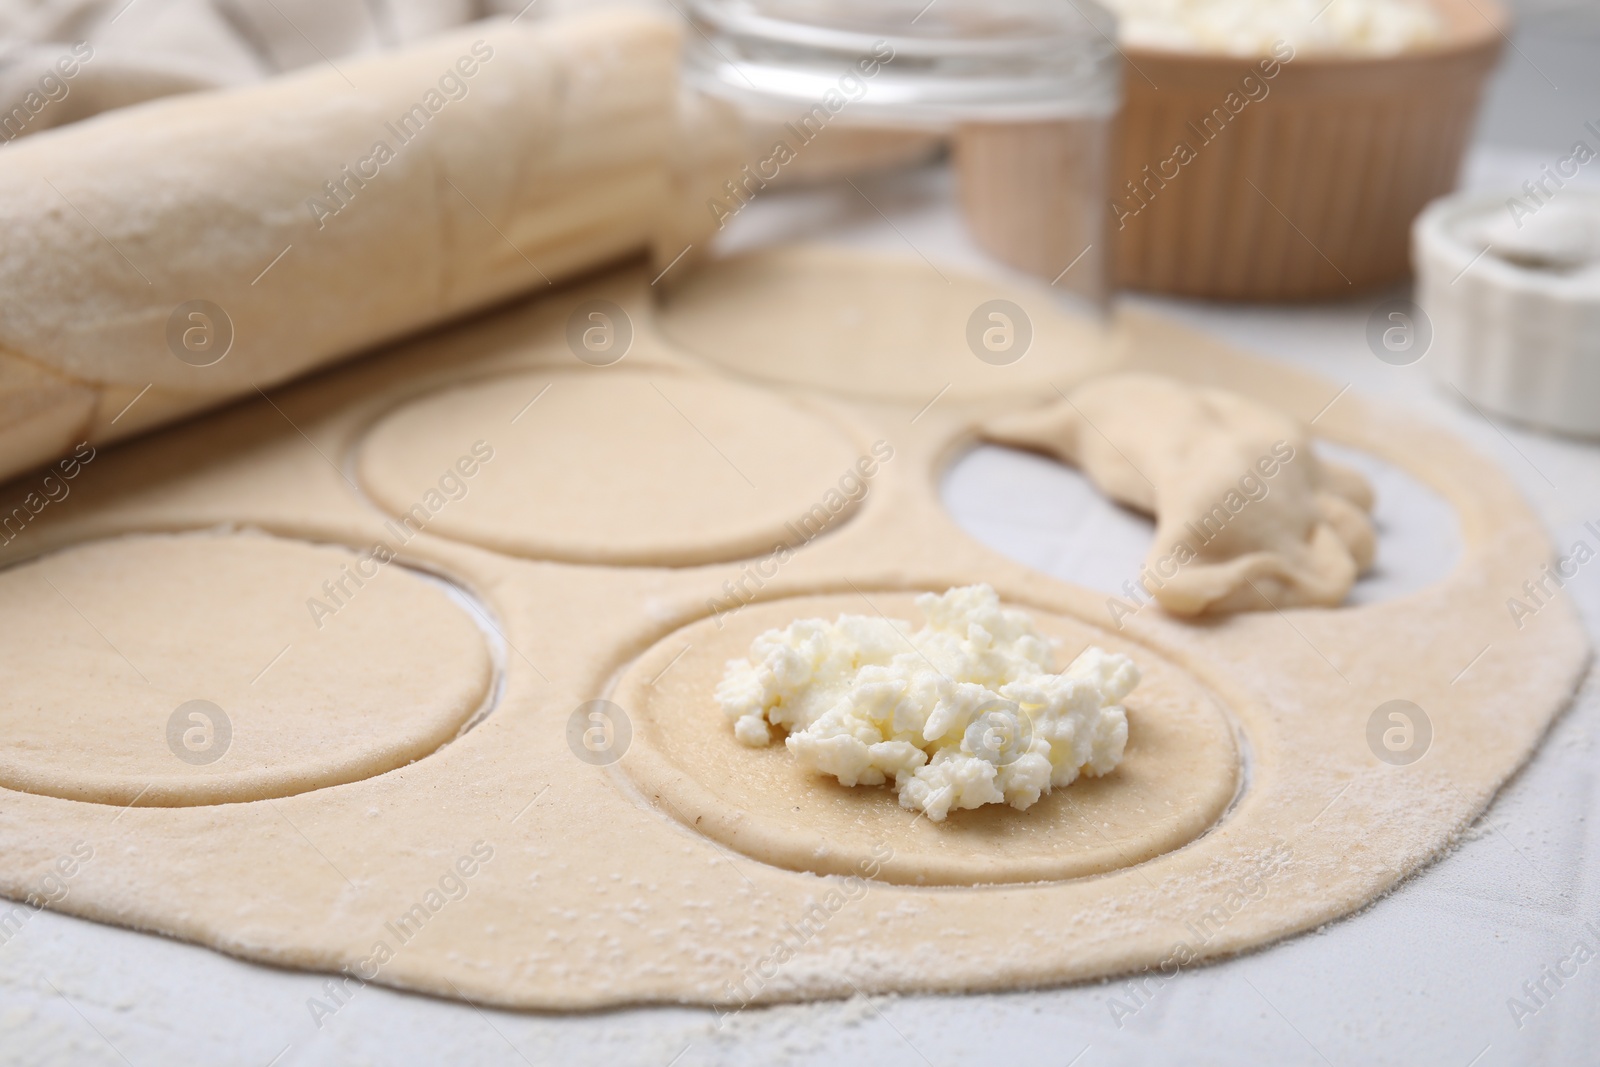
[1421, 977]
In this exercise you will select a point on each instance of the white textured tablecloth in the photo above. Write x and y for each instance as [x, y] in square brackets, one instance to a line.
[65, 60]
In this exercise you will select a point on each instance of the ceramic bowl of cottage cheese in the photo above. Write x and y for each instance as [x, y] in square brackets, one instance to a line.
[1279, 149]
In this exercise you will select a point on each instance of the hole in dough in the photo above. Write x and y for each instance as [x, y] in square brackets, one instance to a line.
[1047, 515]
[489, 628]
[1247, 517]
[108, 639]
[1180, 772]
[884, 328]
[1041, 512]
[614, 467]
[1419, 535]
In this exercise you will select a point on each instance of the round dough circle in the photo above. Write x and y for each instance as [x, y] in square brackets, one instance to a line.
[1180, 773]
[109, 642]
[879, 328]
[614, 467]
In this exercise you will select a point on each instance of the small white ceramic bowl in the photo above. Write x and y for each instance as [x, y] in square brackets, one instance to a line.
[1514, 299]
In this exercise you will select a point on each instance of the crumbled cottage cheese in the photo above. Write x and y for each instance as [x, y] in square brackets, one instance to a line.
[964, 712]
[1252, 27]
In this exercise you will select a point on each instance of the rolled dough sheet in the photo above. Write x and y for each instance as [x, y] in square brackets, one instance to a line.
[604, 885]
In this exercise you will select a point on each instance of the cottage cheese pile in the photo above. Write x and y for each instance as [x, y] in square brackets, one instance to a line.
[1253, 27]
[966, 711]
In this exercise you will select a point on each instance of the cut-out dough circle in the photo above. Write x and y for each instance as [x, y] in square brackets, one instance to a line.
[1180, 772]
[613, 467]
[109, 642]
[837, 320]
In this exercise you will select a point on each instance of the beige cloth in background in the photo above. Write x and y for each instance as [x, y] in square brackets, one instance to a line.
[143, 49]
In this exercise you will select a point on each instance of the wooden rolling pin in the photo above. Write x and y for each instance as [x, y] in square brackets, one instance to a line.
[166, 257]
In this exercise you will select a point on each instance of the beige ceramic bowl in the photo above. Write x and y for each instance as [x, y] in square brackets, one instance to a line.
[1308, 191]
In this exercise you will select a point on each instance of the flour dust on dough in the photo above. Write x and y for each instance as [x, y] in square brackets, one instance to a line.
[108, 643]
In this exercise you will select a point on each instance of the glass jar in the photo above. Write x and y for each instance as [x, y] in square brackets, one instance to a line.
[1026, 91]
